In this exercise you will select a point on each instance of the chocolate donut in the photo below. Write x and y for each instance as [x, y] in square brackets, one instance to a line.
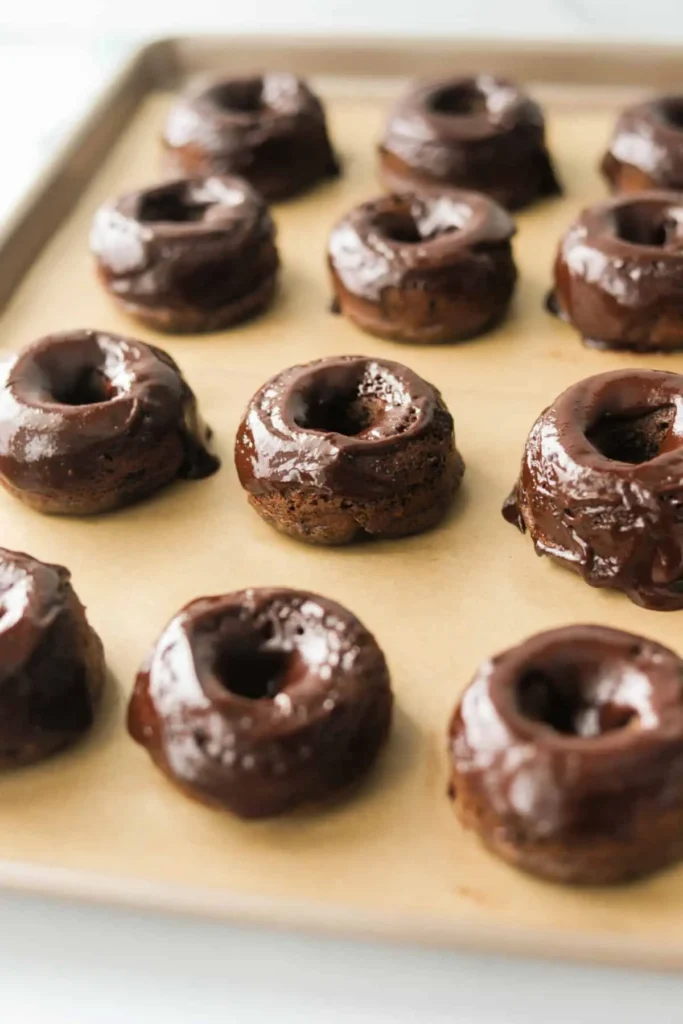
[618, 273]
[190, 256]
[567, 755]
[424, 269]
[263, 700]
[646, 150]
[601, 484]
[478, 132]
[90, 421]
[269, 129]
[348, 448]
[51, 661]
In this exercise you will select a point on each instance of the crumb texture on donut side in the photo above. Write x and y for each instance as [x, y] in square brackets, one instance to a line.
[600, 484]
[424, 270]
[91, 421]
[52, 668]
[263, 700]
[345, 448]
[567, 755]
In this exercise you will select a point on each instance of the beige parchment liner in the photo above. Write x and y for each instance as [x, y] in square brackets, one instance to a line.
[393, 858]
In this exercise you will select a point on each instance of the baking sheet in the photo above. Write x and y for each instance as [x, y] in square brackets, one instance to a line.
[100, 821]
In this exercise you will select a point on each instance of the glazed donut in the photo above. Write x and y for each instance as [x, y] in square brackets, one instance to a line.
[190, 256]
[601, 484]
[269, 129]
[263, 700]
[618, 272]
[567, 755]
[90, 421]
[51, 661]
[348, 448]
[424, 269]
[478, 132]
[646, 151]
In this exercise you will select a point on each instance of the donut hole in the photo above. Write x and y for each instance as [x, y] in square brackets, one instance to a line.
[399, 226]
[335, 411]
[462, 100]
[89, 387]
[635, 437]
[171, 207]
[672, 111]
[639, 224]
[574, 700]
[247, 667]
[242, 96]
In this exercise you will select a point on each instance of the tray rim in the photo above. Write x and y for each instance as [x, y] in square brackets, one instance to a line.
[85, 147]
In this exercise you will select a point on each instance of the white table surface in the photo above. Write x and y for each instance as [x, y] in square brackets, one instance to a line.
[68, 964]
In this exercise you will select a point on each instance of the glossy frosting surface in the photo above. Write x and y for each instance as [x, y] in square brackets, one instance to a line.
[600, 486]
[336, 424]
[646, 150]
[476, 132]
[618, 272]
[262, 699]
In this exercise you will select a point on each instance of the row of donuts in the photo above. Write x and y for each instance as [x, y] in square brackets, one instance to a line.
[478, 132]
[351, 447]
[264, 700]
[431, 263]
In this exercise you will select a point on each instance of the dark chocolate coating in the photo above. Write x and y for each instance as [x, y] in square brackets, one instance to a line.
[646, 150]
[478, 132]
[51, 662]
[619, 273]
[190, 256]
[350, 447]
[269, 129]
[263, 700]
[567, 755]
[90, 421]
[424, 269]
[601, 484]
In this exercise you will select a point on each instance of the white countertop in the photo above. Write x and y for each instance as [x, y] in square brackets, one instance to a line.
[69, 964]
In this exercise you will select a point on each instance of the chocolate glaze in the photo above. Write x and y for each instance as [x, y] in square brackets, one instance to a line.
[51, 661]
[424, 269]
[194, 255]
[567, 755]
[90, 421]
[269, 129]
[646, 151]
[361, 439]
[618, 273]
[477, 132]
[601, 484]
[263, 700]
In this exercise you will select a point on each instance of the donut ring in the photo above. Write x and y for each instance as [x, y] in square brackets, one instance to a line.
[187, 257]
[52, 663]
[346, 448]
[424, 269]
[90, 421]
[646, 150]
[269, 129]
[263, 700]
[477, 132]
[601, 484]
[618, 273]
[567, 755]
